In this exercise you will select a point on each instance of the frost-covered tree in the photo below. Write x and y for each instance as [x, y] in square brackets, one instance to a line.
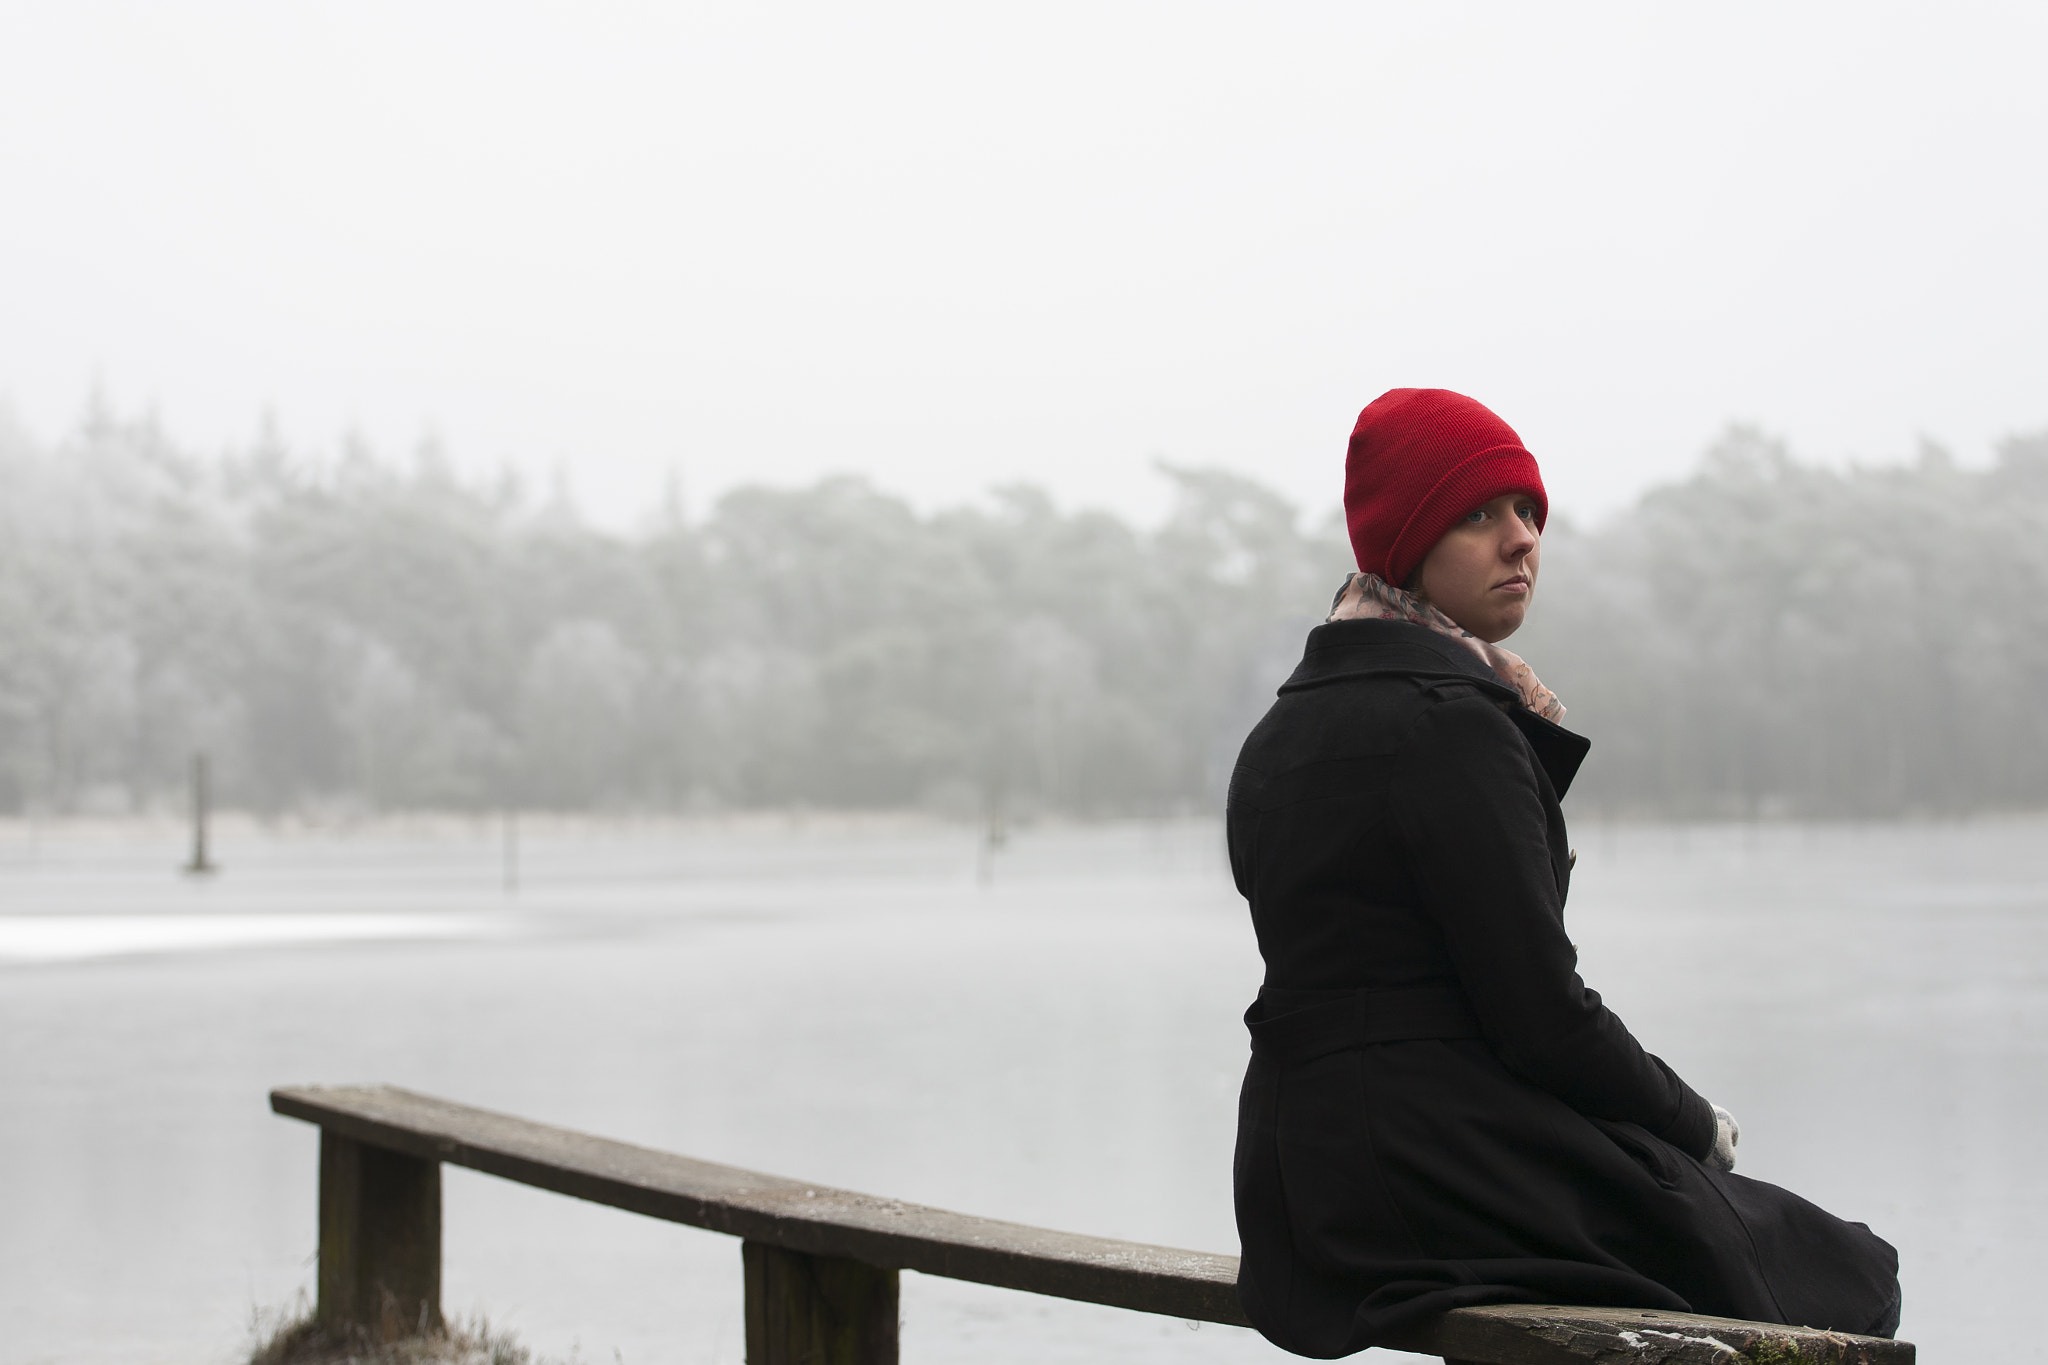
[1762, 637]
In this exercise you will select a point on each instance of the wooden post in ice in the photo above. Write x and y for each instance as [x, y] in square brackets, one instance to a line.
[201, 865]
[511, 859]
[995, 832]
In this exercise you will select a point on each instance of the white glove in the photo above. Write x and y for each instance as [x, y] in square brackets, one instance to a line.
[1727, 1132]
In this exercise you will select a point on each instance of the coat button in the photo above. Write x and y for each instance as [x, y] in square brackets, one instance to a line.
[1571, 860]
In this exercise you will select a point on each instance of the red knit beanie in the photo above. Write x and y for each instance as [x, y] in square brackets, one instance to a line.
[1421, 460]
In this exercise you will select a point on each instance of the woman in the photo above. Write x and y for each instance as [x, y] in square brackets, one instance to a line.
[1438, 1111]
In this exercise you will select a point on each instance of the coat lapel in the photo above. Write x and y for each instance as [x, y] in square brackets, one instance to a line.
[1556, 748]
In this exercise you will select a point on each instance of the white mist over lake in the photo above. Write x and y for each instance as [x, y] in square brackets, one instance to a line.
[844, 1001]
[958, 246]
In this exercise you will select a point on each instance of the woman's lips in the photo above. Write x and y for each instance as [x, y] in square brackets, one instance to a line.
[1517, 585]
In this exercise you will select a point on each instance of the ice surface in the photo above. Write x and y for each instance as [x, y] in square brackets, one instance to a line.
[843, 1001]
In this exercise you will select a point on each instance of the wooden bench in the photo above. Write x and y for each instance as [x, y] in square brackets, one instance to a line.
[821, 1264]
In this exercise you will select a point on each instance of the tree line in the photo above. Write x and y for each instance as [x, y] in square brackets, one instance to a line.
[353, 633]
[1769, 637]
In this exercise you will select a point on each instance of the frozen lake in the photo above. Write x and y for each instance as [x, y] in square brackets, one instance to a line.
[846, 1002]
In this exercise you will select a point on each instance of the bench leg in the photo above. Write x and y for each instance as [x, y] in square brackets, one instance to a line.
[380, 1241]
[817, 1310]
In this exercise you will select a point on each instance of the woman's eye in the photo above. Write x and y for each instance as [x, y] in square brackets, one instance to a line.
[1478, 515]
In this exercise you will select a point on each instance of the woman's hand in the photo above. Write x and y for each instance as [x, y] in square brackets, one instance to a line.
[1727, 1132]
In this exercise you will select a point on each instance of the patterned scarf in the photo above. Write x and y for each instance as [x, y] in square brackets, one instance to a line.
[1367, 597]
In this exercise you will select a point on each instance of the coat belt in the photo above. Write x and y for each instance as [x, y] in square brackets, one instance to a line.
[1292, 1026]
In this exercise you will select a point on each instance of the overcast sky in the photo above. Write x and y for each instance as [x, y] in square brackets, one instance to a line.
[952, 245]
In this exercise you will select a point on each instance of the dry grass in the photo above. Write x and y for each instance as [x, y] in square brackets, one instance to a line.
[295, 1339]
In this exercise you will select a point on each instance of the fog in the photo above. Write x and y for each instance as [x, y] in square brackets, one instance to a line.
[719, 557]
[950, 247]
[359, 635]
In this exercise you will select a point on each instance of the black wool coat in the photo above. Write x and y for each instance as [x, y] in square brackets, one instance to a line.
[1438, 1111]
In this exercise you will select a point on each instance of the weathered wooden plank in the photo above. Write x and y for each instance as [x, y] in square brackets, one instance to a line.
[818, 1221]
[380, 1240]
[814, 1219]
[817, 1310]
[1534, 1334]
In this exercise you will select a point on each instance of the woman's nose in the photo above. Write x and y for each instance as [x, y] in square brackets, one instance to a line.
[1520, 539]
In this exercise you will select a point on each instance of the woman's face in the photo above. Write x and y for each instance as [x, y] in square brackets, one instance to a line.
[1483, 572]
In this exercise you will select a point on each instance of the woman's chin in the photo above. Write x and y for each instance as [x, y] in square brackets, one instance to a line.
[1503, 623]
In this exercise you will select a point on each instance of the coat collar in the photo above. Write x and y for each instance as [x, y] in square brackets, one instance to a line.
[1340, 651]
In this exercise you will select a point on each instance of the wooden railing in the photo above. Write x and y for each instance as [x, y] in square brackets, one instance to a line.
[821, 1264]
